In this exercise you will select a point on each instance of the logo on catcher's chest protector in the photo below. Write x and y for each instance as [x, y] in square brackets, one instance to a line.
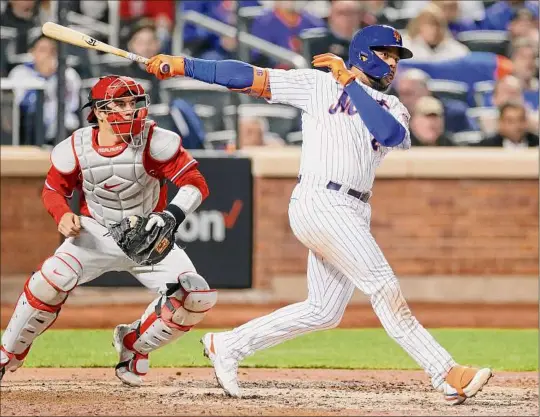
[162, 245]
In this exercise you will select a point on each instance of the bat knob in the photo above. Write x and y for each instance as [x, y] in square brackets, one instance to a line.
[164, 68]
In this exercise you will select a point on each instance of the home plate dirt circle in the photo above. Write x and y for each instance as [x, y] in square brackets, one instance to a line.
[277, 392]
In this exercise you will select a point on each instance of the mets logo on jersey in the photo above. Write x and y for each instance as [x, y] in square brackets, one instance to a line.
[344, 105]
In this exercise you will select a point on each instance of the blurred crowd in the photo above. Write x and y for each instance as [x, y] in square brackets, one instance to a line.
[473, 80]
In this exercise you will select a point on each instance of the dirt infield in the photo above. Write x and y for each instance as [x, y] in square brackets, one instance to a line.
[230, 315]
[268, 392]
[193, 391]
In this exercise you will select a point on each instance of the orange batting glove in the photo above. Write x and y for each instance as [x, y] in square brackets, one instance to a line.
[336, 65]
[175, 63]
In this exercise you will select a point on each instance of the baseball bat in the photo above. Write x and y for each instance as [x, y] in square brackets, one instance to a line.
[74, 37]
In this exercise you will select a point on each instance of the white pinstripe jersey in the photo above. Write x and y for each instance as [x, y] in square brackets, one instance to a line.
[337, 145]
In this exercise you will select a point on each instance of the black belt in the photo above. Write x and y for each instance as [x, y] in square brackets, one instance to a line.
[336, 187]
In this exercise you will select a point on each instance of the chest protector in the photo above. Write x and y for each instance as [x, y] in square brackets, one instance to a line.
[115, 186]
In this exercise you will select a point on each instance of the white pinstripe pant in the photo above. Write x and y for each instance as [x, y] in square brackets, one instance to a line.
[342, 254]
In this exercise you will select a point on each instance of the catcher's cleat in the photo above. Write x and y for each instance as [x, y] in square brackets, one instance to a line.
[463, 382]
[127, 370]
[11, 361]
[225, 369]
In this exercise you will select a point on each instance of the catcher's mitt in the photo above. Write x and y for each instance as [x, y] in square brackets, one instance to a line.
[144, 247]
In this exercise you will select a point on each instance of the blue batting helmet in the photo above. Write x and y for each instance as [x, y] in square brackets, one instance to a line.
[361, 53]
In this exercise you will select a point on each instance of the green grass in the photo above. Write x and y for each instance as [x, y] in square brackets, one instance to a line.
[512, 350]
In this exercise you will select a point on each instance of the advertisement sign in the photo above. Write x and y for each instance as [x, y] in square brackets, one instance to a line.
[218, 236]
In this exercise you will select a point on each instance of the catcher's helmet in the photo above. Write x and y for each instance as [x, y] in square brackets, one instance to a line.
[114, 87]
[361, 53]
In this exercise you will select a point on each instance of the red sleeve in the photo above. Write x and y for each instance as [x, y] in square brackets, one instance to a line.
[57, 189]
[155, 8]
[195, 178]
[123, 10]
[180, 170]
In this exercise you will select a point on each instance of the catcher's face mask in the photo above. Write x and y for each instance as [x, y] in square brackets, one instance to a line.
[125, 104]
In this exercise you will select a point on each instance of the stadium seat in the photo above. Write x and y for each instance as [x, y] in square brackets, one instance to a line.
[449, 89]
[7, 45]
[112, 64]
[84, 61]
[17, 59]
[495, 41]
[245, 99]
[209, 117]
[161, 114]
[481, 90]
[22, 127]
[196, 92]
[294, 138]
[281, 119]
[220, 139]
[248, 15]
[467, 137]
[398, 18]
[309, 36]
[9, 116]
[484, 117]
[81, 63]
[488, 3]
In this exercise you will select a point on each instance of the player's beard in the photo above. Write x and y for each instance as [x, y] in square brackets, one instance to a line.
[382, 85]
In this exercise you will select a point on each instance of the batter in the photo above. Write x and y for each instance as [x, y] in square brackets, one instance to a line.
[349, 125]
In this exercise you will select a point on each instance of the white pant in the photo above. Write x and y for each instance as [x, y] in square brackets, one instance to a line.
[98, 253]
[79, 260]
[343, 254]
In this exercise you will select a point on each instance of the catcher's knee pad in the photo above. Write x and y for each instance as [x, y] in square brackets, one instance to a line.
[57, 276]
[38, 306]
[184, 304]
[187, 301]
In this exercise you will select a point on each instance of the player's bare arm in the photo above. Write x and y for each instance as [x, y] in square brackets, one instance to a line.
[235, 75]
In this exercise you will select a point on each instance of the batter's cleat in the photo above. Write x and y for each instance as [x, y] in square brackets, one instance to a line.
[463, 382]
[11, 361]
[129, 369]
[225, 369]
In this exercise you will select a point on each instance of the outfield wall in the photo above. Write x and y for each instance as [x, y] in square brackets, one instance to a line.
[443, 218]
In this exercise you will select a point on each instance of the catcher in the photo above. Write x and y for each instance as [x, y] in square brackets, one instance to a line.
[120, 164]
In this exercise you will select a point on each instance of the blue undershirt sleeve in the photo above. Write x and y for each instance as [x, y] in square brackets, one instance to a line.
[228, 73]
[382, 125]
